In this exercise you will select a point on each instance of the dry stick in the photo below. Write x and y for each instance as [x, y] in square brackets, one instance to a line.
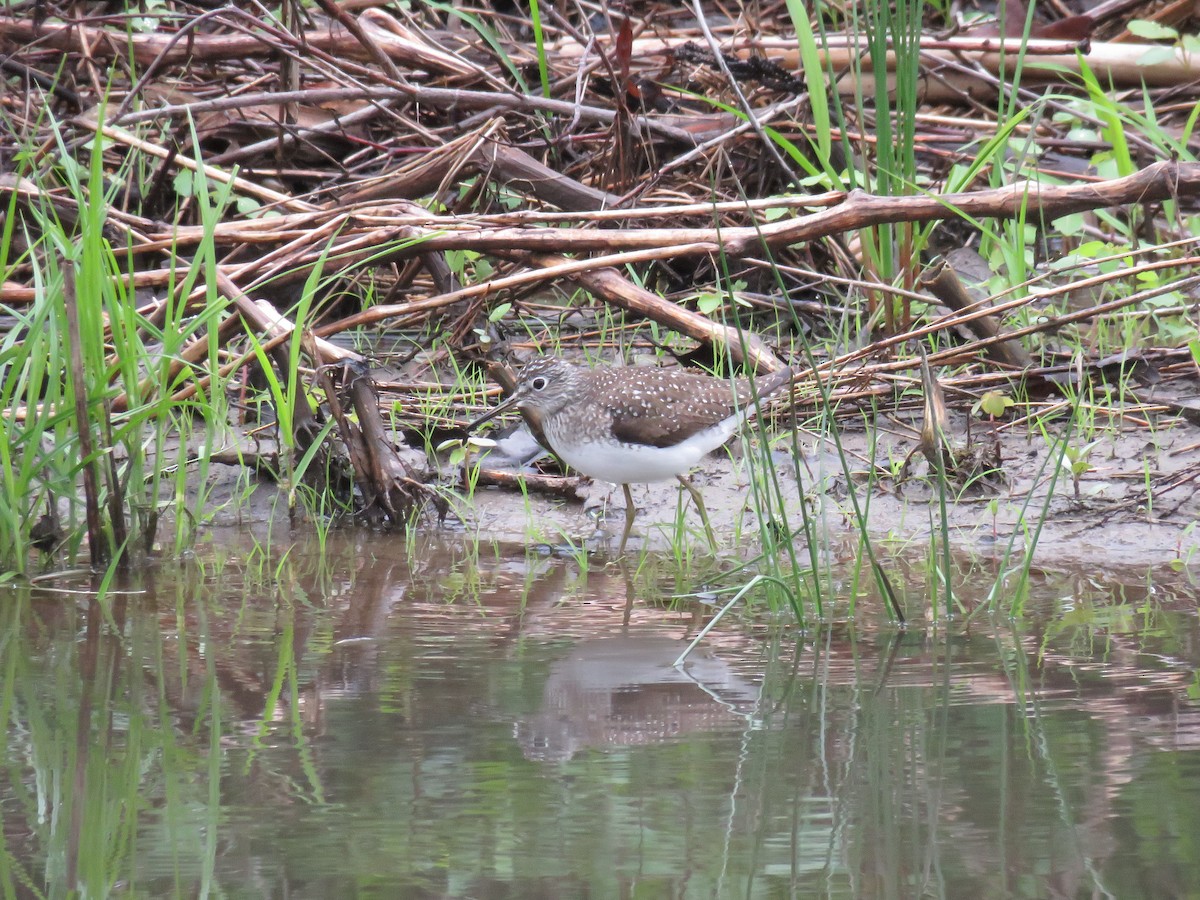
[147, 49]
[313, 96]
[619, 291]
[1154, 183]
[747, 110]
[187, 31]
[1045, 60]
[418, 177]
[661, 210]
[442, 98]
[971, 348]
[348, 22]
[837, 367]
[374, 213]
[520, 170]
[755, 120]
[1160, 181]
[567, 268]
[390, 32]
[943, 283]
[837, 50]
[551, 485]
[243, 185]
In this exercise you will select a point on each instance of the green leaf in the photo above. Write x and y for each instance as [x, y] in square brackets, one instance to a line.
[1156, 56]
[708, 303]
[183, 182]
[1165, 301]
[1151, 31]
[1094, 249]
[1069, 224]
[499, 312]
[996, 403]
[821, 180]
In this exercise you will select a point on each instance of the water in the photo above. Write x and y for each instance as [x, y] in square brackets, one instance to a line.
[344, 724]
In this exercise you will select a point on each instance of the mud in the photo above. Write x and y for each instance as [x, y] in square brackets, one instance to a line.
[1137, 503]
[1134, 501]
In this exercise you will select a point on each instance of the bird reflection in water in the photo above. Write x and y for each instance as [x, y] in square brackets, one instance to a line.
[624, 691]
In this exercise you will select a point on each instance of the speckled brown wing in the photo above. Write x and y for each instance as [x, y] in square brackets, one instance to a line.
[696, 402]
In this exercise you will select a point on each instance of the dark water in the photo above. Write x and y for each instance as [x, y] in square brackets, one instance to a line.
[345, 723]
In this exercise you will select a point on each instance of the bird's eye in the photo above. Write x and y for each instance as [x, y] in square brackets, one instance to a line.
[539, 383]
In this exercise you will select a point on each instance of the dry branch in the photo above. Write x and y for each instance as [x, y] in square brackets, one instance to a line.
[1157, 182]
[167, 49]
[1044, 60]
[614, 288]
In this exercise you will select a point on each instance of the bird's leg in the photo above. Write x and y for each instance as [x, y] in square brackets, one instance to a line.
[699, 501]
[630, 512]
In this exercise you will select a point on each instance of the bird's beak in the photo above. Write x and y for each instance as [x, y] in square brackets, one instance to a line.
[513, 399]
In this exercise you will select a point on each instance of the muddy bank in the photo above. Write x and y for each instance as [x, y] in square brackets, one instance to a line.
[1137, 504]
[1110, 525]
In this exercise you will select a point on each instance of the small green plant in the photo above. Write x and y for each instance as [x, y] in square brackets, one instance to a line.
[1077, 458]
[993, 508]
[1185, 549]
[1148, 485]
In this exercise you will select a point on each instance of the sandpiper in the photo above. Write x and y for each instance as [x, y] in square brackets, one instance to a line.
[631, 425]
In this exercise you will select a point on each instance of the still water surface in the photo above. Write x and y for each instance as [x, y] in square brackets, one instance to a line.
[344, 722]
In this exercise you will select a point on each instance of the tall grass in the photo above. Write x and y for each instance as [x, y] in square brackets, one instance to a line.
[779, 560]
[82, 345]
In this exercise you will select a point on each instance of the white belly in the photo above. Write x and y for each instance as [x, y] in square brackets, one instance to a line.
[637, 463]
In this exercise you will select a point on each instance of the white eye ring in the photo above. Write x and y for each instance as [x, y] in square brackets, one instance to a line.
[539, 383]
